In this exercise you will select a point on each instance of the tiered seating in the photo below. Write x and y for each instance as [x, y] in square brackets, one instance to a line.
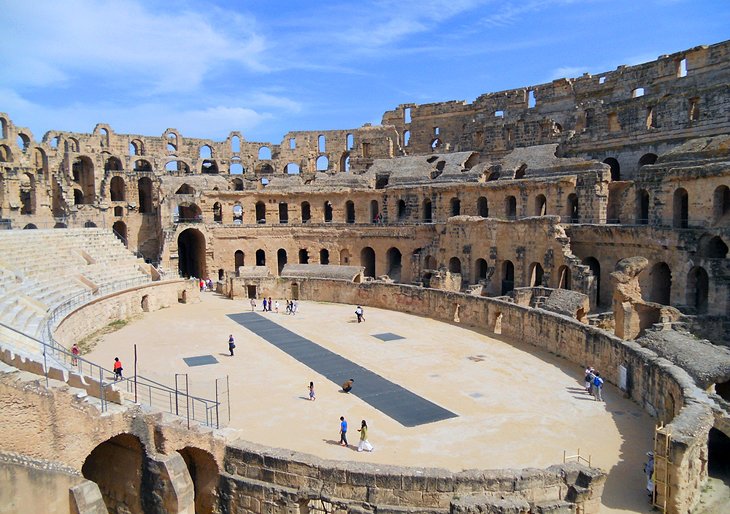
[41, 269]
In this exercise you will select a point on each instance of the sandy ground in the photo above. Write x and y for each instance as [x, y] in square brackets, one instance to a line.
[517, 406]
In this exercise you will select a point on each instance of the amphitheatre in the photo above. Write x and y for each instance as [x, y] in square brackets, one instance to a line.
[498, 247]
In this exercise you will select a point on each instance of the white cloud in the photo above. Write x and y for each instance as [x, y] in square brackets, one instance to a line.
[104, 41]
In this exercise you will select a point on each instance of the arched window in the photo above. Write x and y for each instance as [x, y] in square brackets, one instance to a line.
[303, 256]
[281, 259]
[480, 272]
[455, 207]
[237, 214]
[206, 152]
[427, 211]
[661, 284]
[260, 212]
[260, 258]
[142, 165]
[721, 203]
[144, 195]
[237, 184]
[292, 168]
[680, 212]
[367, 260]
[327, 212]
[455, 265]
[540, 205]
[647, 159]
[374, 211]
[235, 144]
[698, 285]
[306, 212]
[510, 207]
[482, 207]
[394, 264]
[536, 274]
[573, 212]
[283, 212]
[324, 256]
[322, 163]
[615, 168]
[595, 268]
[349, 212]
[217, 212]
[116, 189]
[236, 168]
[564, 278]
[264, 153]
[401, 210]
[321, 143]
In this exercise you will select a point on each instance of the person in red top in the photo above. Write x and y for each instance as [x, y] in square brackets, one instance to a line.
[75, 352]
[117, 369]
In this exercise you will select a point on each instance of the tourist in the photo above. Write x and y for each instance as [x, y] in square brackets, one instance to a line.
[276, 307]
[117, 369]
[288, 307]
[311, 391]
[649, 472]
[598, 386]
[294, 306]
[360, 314]
[343, 431]
[75, 352]
[364, 443]
[231, 344]
[264, 308]
[347, 386]
[588, 379]
[253, 304]
[201, 283]
[210, 285]
[270, 304]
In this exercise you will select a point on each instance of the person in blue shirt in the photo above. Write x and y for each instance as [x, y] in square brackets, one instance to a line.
[598, 386]
[343, 431]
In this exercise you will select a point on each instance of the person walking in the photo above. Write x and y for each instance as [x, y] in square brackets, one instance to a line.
[270, 304]
[364, 443]
[343, 431]
[276, 307]
[588, 379]
[649, 472]
[253, 304]
[294, 306]
[75, 352]
[231, 344]
[117, 369]
[347, 386]
[312, 397]
[264, 308]
[360, 314]
[598, 386]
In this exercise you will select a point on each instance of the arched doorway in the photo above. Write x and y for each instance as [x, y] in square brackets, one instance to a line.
[120, 230]
[595, 268]
[367, 259]
[480, 272]
[281, 259]
[482, 207]
[324, 256]
[203, 472]
[508, 277]
[394, 260]
[191, 253]
[455, 265]
[642, 207]
[536, 274]
[374, 211]
[260, 257]
[540, 205]
[680, 211]
[144, 191]
[121, 456]
[698, 284]
[427, 211]
[564, 279]
[615, 168]
[661, 283]
[117, 189]
[238, 259]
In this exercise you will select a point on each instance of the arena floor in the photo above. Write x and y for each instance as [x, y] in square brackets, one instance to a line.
[517, 406]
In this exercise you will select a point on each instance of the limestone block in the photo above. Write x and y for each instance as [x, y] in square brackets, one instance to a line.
[86, 498]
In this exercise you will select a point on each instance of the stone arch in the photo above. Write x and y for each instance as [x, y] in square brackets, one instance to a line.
[136, 147]
[324, 256]
[660, 284]
[27, 193]
[540, 205]
[349, 211]
[455, 265]
[564, 277]
[120, 456]
[113, 164]
[680, 208]
[177, 166]
[480, 270]
[455, 206]
[482, 207]
[394, 260]
[204, 473]
[30, 226]
[260, 212]
[6, 155]
[120, 230]
[344, 257]
[185, 189]
[327, 211]
[306, 212]
[615, 168]
[217, 213]
[144, 193]
[191, 253]
[303, 256]
[40, 161]
[189, 212]
[698, 285]
[237, 184]
[536, 274]
[117, 189]
[142, 165]
[281, 260]
[367, 260]
[260, 257]
[648, 158]
[721, 203]
[712, 247]
[573, 210]
[510, 207]
[401, 210]
[82, 171]
[430, 262]
[508, 276]
[374, 210]
[427, 211]
[239, 259]
[595, 268]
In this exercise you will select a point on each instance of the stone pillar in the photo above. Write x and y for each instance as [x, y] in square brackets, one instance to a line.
[86, 498]
[172, 491]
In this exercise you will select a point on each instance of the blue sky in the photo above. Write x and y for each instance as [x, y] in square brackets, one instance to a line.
[267, 67]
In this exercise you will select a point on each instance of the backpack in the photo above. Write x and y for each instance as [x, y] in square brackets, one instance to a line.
[598, 381]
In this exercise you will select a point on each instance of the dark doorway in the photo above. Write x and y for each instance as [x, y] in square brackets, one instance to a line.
[191, 253]
[367, 259]
[395, 266]
[508, 277]
[281, 259]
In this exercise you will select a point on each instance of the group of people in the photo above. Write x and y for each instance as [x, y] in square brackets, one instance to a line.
[205, 284]
[270, 305]
[594, 383]
[364, 444]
